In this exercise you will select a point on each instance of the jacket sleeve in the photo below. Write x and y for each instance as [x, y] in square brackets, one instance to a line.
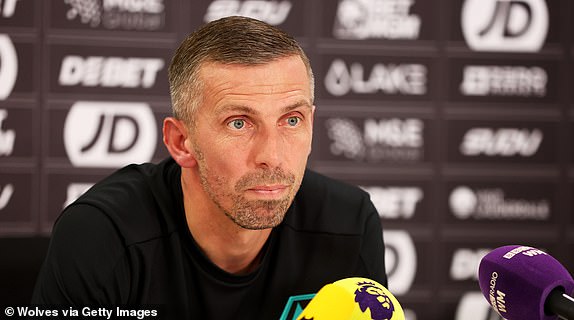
[372, 246]
[86, 263]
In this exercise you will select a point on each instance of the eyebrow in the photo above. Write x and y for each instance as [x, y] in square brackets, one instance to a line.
[251, 111]
[300, 103]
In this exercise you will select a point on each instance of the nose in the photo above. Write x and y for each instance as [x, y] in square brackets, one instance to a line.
[268, 148]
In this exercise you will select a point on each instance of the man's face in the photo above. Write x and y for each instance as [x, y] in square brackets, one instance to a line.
[252, 137]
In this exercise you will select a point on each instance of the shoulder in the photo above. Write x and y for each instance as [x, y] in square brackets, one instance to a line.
[137, 180]
[80, 233]
[137, 199]
[86, 253]
[91, 257]
[328, 205]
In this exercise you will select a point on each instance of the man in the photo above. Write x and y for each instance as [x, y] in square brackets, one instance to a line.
[231, 225]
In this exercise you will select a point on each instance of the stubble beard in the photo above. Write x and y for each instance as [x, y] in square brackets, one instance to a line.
[249, 214]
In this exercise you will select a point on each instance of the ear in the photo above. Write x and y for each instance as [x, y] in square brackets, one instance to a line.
[178, 142]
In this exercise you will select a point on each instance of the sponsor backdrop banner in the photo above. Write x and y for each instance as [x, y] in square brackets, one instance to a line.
[456, 116]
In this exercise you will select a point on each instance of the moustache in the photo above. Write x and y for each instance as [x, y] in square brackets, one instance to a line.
[264, 177]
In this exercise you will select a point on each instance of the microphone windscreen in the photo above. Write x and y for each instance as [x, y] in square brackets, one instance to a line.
[353, 298]
[516, 281]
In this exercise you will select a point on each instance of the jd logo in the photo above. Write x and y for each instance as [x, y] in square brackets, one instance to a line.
[7, 137]
[109, 134]
[7, 8]
[8, 66]
[5, 195]
[400, 260]
[505, 25]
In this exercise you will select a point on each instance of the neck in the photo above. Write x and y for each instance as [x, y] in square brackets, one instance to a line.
[230, 247]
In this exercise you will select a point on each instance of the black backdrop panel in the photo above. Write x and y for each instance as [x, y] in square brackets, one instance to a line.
[457, 116]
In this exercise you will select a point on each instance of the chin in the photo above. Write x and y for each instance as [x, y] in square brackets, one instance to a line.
[259, 219]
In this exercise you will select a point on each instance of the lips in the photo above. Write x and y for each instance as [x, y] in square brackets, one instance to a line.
[268, 191]
[273, 189]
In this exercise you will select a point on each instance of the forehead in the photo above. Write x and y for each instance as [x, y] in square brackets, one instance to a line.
[283, 77]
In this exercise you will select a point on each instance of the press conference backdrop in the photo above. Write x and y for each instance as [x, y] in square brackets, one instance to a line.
[457, 116]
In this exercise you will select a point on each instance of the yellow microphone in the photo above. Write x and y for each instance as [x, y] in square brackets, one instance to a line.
[353, 298]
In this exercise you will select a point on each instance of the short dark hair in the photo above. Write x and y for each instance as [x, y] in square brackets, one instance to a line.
[230, 40]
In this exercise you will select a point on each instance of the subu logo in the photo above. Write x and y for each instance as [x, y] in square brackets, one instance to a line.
[8, 66]
[109, 134]
[505, 25]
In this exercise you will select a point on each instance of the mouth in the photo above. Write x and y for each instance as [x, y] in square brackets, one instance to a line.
[268, 190]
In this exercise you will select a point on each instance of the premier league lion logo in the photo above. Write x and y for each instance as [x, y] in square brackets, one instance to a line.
[369, 295]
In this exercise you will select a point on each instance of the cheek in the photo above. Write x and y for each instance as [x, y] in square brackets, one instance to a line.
[216, 180]
[301, 149]
[296, 158]
[222, 166]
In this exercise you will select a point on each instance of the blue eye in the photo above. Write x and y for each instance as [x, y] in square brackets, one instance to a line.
[237, 123]
[293, 121]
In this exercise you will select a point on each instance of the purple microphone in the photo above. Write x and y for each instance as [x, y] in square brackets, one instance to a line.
[523, 283]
